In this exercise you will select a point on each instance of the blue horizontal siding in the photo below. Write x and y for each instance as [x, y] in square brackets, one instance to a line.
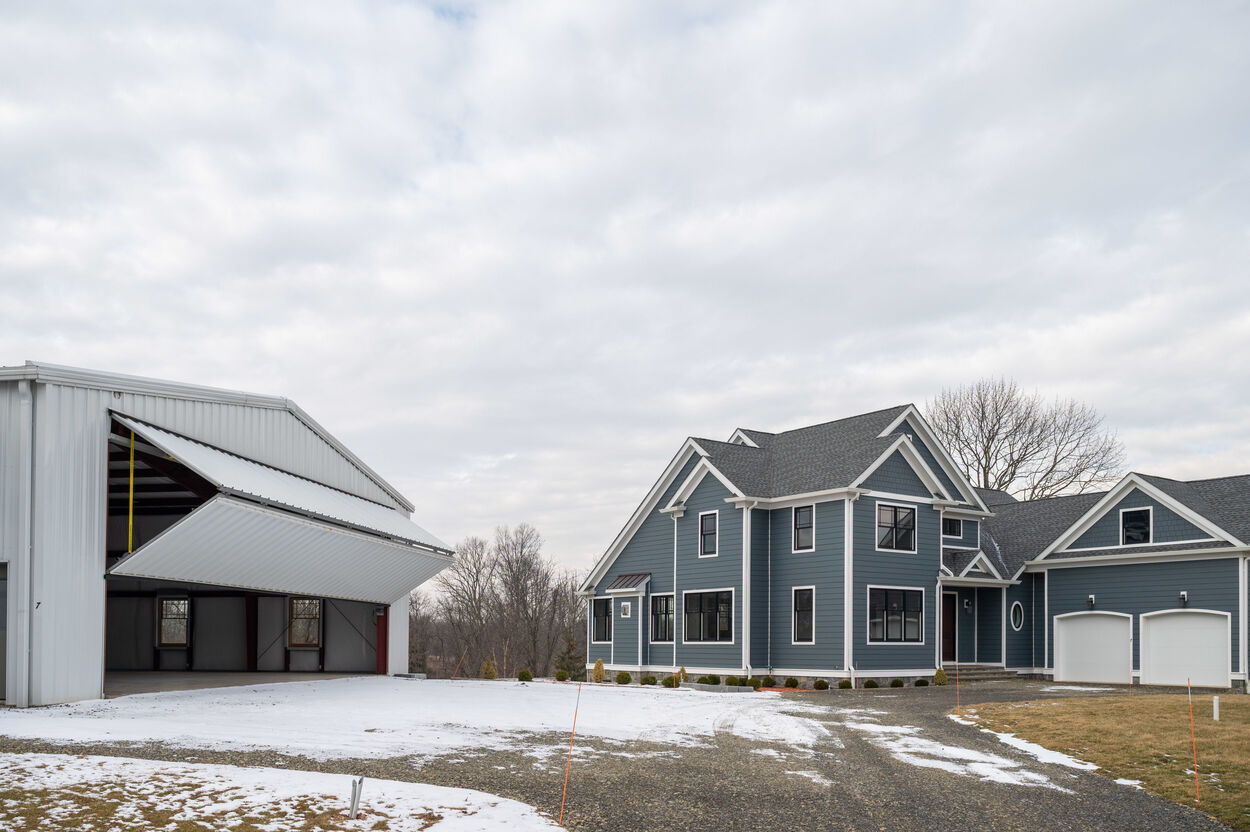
[896, 476]
[825, 570]
[1169, 526]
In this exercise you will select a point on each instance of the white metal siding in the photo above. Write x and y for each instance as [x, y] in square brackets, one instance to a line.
[227, 542]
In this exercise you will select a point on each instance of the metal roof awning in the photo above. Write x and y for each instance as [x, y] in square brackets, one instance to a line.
[631, 583]
[230, 542]
[254, 482]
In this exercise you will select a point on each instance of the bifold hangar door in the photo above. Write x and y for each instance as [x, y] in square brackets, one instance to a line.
[1179, 646]
[1093, 647]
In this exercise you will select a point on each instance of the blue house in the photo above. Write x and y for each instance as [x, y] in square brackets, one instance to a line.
[857, 549]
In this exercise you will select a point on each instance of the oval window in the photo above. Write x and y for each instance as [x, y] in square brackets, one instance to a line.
[1017, 616]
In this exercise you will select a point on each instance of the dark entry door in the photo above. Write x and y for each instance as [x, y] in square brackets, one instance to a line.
[950, 612]
[380, 622]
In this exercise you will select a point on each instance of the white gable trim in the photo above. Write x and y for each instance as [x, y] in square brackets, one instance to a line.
[986, 566]
[904, 446]
[691, 482]
[938, 450]
[742, 438]
[1113, 497]
[688, 449]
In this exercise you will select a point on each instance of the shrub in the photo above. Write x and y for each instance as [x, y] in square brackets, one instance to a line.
[731, 681]
[702, 680]
[525, 676]
[670, 682]
[488, 669]
[897, 683]
[598, 674]
[770, 682]
[939, 678]
[623, 678]
[562, 675]
[792, 682]
[682, 674]
[820, 684]
[713, 679]
[922, 683]
[871, 683]
[648, 680]
[845, 684]
[755, 682]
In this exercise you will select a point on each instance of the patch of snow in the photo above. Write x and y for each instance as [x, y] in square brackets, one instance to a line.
[767, 752]
[1053, 688]
[1041, 753]
[961, 720]
[815, 776]
[379, 716]
[225, 796]
[1124, 781]
[904, 744]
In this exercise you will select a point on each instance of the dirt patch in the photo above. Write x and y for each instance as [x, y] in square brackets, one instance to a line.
[1146, 739]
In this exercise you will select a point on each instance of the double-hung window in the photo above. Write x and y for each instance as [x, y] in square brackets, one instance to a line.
[952, 527]
[662, 610]
[804, 528]
[803, 629]
[173, 629]
[601, 613]
[896, 528]
[1134, 526]
[304, 628]
[710, 616]
[708, 523]
[895, 615]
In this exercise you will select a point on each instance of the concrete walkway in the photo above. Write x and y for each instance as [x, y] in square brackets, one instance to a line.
[124, 683]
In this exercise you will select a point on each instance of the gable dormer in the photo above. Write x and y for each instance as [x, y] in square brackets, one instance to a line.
[1137, 519]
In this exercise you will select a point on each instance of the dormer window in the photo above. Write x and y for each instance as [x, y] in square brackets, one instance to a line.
[952, 527]
[1135, 526]
[804, 529]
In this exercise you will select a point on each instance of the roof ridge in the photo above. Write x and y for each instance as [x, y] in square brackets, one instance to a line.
[1214, 479]
[1055, 497]
[845, 419]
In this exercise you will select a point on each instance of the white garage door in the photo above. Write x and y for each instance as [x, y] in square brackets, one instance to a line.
[1186, 644]
[1093, 647]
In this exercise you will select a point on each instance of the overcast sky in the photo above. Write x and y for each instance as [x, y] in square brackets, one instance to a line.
[513, 253]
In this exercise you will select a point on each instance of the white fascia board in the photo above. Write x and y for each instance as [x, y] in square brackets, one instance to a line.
[691, 482]
[805, 499]
[1112, 497]
[904, 446]
[649, 503]
[938, 450]
[986, 566]
[1129, 558]
[739, 436]
[968, 582]
[967, 513]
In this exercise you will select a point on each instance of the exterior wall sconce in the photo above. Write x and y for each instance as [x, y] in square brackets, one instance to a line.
[967, 605]
[1091, 602]
[1184, 598]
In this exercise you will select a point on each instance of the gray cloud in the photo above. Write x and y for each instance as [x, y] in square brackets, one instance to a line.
[514, 253]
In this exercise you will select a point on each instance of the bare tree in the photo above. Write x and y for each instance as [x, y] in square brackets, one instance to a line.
[1023, 444]
[527, 596]
[467, 598]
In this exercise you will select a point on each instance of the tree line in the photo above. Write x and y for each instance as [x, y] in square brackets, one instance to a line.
[500, 601]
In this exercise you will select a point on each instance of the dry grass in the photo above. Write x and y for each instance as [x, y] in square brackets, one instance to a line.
[1146, 738]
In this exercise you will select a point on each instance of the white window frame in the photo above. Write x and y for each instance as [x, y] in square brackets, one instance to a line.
[794, 529]
[924, 603]
[627, 609]
[876, 539]
[958, 520]
[794, 623]
[1011, 616]
[1150, 525]
[733, 602]
[650, 629]
[699, 535]
[611, 614]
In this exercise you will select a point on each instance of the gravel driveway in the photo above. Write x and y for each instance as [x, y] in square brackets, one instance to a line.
[892, 761]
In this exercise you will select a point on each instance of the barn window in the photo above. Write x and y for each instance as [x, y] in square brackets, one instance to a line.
[305, 623]
[175, 619]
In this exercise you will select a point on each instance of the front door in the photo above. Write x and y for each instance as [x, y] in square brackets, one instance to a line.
[950, 624]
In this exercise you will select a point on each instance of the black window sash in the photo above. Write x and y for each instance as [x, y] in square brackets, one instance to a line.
[661, 618]
[602, 619]
[803, 526]
[896, 527]
[1135, 526]
[709, 616]
[896, 615]
[707, 534]
[803, 615]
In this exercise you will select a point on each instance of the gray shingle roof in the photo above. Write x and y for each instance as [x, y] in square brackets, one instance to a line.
[1019, 532]
[994, 497]
[1138, 550]
[815, 458]
[1224, 501]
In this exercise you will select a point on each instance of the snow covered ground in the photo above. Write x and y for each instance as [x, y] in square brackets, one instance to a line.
[378, 716]
[148, 793]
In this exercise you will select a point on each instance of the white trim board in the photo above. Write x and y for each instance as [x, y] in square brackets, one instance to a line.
[939, 453]
[904, 446]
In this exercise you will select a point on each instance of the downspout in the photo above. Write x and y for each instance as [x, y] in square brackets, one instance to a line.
[26, 509]
[769, 630]
[676, 596]
[848, 588]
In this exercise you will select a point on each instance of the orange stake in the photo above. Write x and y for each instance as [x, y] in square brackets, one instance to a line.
[1193, 739]
[569, 764]
[462, 655]
[957, 710]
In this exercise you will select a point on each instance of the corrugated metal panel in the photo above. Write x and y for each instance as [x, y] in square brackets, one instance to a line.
[245, 477]
[228, 542]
